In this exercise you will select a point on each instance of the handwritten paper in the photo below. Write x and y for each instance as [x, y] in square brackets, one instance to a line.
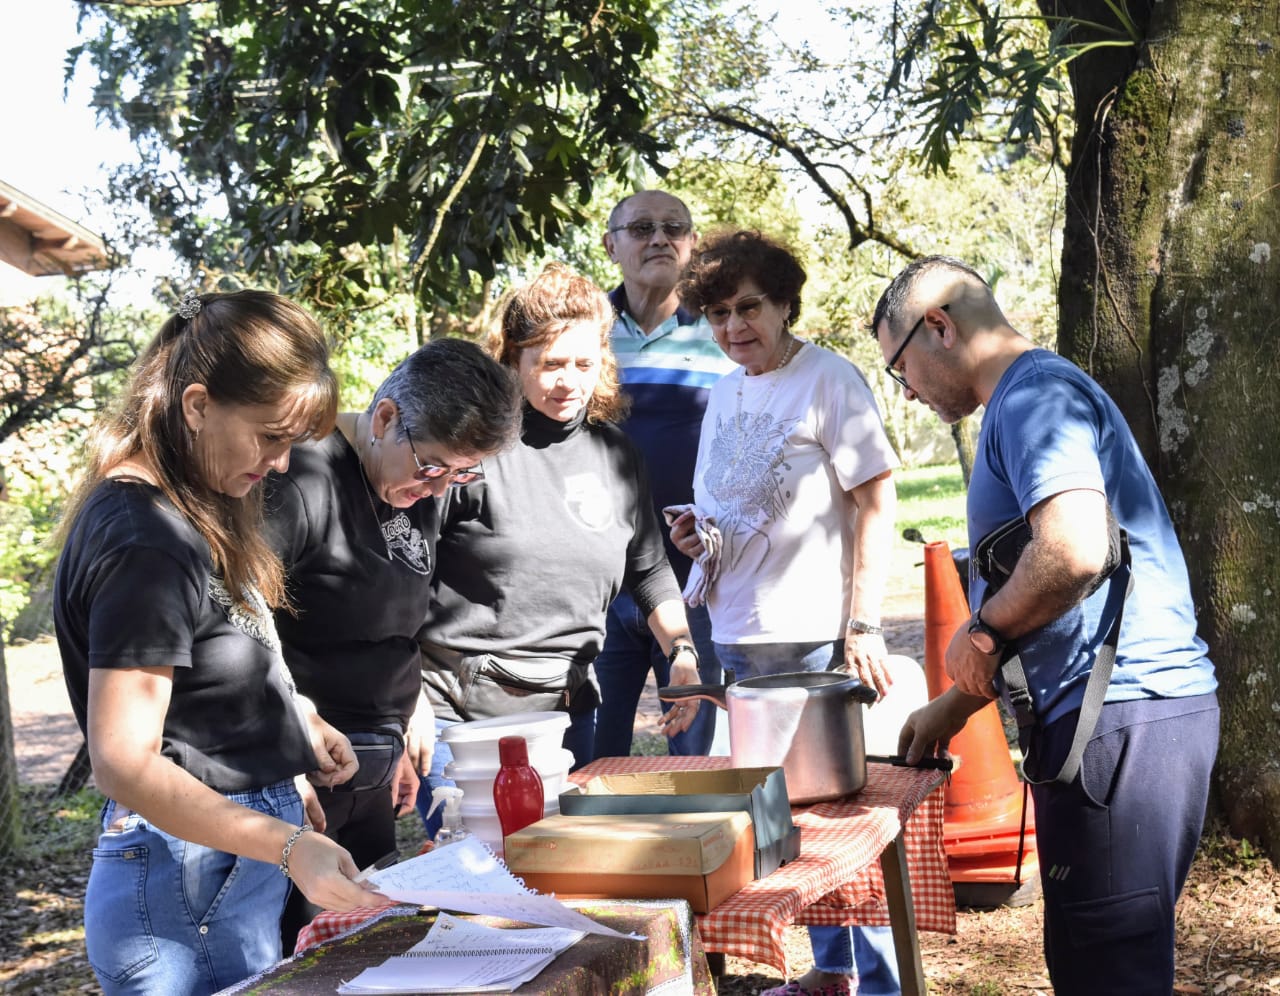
[527, 908]
[467, 878]
[459, 956]
[465, 866]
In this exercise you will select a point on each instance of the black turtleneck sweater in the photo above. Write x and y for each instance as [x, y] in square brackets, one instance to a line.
[529, 559]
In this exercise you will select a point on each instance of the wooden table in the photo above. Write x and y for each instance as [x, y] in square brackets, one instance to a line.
[670, 960]
[837, 879]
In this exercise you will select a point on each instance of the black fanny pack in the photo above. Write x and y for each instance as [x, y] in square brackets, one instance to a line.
[378, 750]
[995, 558]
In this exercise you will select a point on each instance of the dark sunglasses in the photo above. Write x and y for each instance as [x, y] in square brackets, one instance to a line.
[748, 309]
[893, 360]
[640, 230]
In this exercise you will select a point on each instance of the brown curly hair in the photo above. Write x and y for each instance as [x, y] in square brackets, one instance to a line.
[535, 314]
[723, 260]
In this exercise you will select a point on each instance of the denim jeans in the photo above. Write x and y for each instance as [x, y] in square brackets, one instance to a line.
[865, 951]
[577, 739]
[164, 915]
[630, 652]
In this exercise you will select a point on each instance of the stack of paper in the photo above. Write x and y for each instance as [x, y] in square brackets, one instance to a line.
[467, 878]
[459, 956]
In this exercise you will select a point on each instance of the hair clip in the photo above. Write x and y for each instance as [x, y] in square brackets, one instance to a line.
[189, 306]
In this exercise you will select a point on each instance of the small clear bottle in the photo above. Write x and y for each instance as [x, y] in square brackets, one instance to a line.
[451, 829]
[517, 788]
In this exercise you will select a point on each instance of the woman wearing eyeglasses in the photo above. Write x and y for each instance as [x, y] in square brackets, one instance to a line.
[531, 557]
[355, 522]
[794, 467]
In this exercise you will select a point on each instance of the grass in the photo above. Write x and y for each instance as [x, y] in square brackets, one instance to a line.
[931, 500]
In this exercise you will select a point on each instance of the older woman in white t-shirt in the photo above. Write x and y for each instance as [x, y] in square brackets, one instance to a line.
[795, 468]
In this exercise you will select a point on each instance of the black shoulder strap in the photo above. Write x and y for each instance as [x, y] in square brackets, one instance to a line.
[1095, 691]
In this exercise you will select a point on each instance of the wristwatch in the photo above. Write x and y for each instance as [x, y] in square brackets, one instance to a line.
[680, 647]
[984, 638]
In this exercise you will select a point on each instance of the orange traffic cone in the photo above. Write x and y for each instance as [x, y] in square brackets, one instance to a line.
[988, 855]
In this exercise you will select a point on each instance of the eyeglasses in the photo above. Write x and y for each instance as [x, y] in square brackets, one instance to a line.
[748, 309]
[433, 472]
[641, 230]
[893, 360]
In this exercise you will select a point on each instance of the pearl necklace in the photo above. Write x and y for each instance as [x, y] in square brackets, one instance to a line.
[740, 429]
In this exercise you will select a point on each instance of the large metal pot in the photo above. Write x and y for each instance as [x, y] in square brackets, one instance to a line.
[809, 722]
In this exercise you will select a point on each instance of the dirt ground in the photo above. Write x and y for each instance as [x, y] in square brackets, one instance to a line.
[1228, 917]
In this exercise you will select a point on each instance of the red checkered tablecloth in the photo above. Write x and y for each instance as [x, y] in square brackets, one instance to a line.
[837, 878]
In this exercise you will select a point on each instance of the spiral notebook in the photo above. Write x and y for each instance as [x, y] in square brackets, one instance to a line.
[460, 956]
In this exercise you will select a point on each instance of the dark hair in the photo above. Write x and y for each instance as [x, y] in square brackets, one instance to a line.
[247, 348]
[724, 259]
[890, 306]
[452, 392]
[535, 314]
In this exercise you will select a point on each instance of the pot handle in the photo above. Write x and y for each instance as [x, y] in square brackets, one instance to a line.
[864, 693]
[712, 693]
[937, 763]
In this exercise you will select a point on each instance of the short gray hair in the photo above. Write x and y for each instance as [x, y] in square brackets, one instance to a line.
[452, 392]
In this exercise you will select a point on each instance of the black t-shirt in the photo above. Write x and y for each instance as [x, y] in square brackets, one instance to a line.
[531, 556]
[359, 573]
[135, 588]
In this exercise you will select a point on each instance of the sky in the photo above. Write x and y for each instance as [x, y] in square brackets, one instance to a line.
[50, 149]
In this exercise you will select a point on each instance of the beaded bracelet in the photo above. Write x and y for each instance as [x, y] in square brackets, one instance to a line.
[288, 847]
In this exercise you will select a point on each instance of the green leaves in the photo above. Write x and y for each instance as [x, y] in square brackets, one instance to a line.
[991, 66]
[466, 131]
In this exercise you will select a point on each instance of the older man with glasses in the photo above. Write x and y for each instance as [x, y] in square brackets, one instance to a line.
[668, 361]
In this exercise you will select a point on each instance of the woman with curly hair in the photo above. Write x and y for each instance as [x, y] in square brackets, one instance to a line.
[530, 558]
[794, 468]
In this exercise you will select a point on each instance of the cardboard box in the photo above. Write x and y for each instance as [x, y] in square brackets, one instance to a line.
[761, 792]
[703, 858]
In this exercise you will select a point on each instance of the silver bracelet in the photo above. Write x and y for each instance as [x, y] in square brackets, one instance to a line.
[858, 626]
[288, 847]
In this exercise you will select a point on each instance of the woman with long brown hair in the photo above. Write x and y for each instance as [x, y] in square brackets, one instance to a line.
[162, 609]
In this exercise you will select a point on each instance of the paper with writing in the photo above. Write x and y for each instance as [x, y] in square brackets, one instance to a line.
[467, 877]
[526, 908]
[460, 956]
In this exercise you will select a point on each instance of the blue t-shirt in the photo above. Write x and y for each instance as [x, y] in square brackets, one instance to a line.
[1050, 428]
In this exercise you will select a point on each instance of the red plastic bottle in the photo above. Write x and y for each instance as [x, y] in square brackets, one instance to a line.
[517, 788]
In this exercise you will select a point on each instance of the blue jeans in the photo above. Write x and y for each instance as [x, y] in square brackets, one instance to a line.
[577, 740]
[163, 915]
[629, 653]
[867, 952]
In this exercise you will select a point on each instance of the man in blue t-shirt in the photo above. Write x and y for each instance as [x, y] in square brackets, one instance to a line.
[668, 361]
[1115, 842]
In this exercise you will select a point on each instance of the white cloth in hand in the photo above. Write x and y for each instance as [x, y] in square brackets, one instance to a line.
[706, 567]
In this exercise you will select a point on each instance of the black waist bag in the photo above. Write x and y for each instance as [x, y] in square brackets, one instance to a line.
[995, 558]
[378, 750]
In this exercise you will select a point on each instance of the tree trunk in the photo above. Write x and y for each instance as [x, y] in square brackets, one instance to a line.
[1169, 298]
[965, 435]
[10, 810]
